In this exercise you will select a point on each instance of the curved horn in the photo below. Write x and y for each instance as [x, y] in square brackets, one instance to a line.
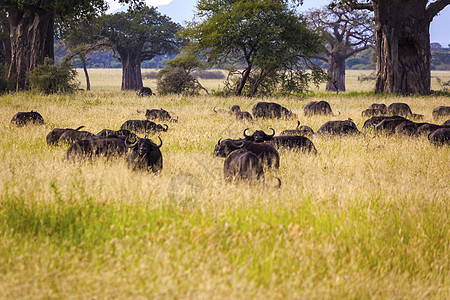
[79, 128]
[160, 142]
[167, 127]
[279, 183]
[273, 132]
[128, 145]
[247, 136]
[238, 144]
[214, 109]
[218, 143]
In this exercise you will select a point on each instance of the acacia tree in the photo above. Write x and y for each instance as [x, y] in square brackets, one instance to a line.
[137, 35]
[346, 33]
[402, 42]
[5, 45]
[32, 24]
[268, 37]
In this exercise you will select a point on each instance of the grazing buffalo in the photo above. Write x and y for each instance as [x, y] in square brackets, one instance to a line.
[399, 109]
[143, 126]
[417, 117]
[300, 130]
[53, 136]
[381, 107]
[145, 91]
[271, 110]
[72, 136]
[370, 112]
[259, 136]
[159, 114]
[408, 128]
[440, 136]
[97, 147]
[372, 122]
[313, 108]
[242, 164]
[427, 128]
[117, 133]
[441, 111]
[244, 116]
[266, 152]
[338, 127]
[145, 155]
[235, 109]
[388, 125]
[25, 118]
[293, 143]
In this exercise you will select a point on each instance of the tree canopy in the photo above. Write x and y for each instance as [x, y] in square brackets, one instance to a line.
[266, 36]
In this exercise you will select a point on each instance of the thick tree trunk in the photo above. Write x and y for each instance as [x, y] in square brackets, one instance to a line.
[31, 35]
[402, 39]
[131, 70]
[336, 73]
[243, 81]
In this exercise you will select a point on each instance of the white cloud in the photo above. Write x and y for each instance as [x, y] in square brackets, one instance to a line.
[115, 5]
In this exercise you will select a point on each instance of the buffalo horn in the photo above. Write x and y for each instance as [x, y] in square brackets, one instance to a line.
[238, 144]
[160, 143]
[273, 132]
[126, 142]
[167, 127]
[247, 136]
[298, 125]
[218, 143]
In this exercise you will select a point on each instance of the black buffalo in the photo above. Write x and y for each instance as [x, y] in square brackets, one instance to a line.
[145, 91]
[300, 130]
[145, 155]
[244, 116]
[293, 143]
[388, 125]
[242, 164]
[117, 133]
[313, 108]
[159, 114]
[440, 136]
[143, 126]
[370, 112]
[381, 107]
[97, 147]
[271, 110]
[235, 109]
[427, 128]
[399, 109]
[441, 111]
[53, 136]
[339, 127]
[259, 136]
[372, 122]
[28, 117]
[266, 152]
[72, 136]
[408, 128]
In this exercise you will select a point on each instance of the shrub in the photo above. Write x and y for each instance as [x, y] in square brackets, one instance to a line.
[176, 81]
[52, 78]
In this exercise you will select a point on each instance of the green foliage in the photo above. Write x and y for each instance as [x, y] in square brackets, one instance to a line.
[52, 78]
[268, 37]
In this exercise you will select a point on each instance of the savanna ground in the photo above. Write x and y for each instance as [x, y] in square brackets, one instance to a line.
[368, 217]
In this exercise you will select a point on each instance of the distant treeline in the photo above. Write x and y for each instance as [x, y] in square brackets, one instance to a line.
[364, 60]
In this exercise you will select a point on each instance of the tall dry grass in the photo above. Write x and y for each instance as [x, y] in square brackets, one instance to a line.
[368, 217]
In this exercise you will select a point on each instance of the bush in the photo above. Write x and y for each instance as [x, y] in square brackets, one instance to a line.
[52, 78]
[176, 81]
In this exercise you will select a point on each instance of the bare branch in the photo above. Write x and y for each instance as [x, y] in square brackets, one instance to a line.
[434, 8]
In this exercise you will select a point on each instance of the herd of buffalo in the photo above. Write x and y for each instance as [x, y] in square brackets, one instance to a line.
[245, 158]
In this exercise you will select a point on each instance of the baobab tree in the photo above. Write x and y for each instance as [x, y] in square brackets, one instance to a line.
[346, 33]
[402, 42]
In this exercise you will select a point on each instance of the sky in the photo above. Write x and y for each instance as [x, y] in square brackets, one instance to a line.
[181, 11]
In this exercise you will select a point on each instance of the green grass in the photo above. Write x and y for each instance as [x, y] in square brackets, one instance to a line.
[368, 217]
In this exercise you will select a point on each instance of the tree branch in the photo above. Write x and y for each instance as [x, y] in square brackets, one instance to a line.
[434, 8]
[355, 5]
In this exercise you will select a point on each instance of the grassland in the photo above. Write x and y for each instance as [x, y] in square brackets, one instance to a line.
[368, 217]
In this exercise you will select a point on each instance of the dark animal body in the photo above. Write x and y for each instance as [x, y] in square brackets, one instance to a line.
[25, 118]
[389, 125]
[259, 136]
[427, 128]
[399, 109]
[380, 107]
[244, 116]
[159, 114]
[271, 110]
[440, 137]
[300, 130]
[143, 126]
[242, 164]
[97, 147]
[441, 111]
[313, 108]
[372, 122]
[72, 136]
[293, 143]
[266, 152]
[372, 112]
[338, 127]
[117, 133]
[145, 155]
[53, 136]
[446, 123]
[144, 91]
